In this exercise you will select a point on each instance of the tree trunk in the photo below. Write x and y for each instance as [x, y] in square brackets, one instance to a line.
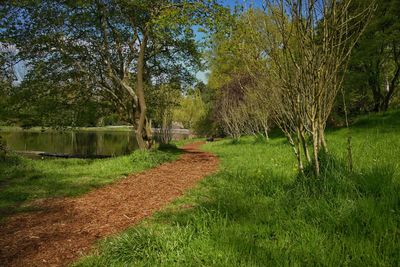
[296, 153]
[376, 93]
[316, 150]
[304, 144]
[321, 137]
[266, 133]
[392, 87]
[140, 93]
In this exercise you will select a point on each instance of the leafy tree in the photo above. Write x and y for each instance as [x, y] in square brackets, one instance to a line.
[7, 77]
[163, 99]
[374, 71]
[115, 47]
[191, 109]
[44, 98]
[236, 57]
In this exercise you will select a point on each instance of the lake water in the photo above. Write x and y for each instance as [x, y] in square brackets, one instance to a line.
[78, 143]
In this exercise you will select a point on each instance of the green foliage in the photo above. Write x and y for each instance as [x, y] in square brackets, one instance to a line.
[162, 100]
[207, 125]
[191, 109]
[82, 55]
[238, 46]
[238, 60]
[258, 212]
[373, 79]
[227, 55]
[7, 77]
[42, 100]
[23, 180]
[197, 110]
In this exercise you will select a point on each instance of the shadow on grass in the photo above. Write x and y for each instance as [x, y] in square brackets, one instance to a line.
[248, 219]
[22, 180]
[379, 120]
[383, 122]
[13, 170]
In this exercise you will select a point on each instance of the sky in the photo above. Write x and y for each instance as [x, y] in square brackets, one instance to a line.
[232, 3]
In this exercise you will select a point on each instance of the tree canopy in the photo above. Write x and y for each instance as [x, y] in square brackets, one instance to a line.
[111, 49]
[373, 78]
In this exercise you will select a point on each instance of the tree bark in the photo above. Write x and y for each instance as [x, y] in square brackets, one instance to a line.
[376, 91]
[304, 144]
[266, 133]
[140, 94]
[392, 87]
[316, 151]
[321, 137]
[296, 153]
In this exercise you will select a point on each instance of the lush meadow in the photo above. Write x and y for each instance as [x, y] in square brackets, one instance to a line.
[258, 212]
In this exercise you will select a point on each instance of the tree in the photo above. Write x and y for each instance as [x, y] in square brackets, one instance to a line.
[234, 63]
[307, 52]
[44, 98]
[163, 99]
[7, 77]
[232, 112]
[115, 47]
[297, 53]
[191, 109]
[374, 71]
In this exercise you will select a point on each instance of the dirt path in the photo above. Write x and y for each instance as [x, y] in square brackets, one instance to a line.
[68, 227]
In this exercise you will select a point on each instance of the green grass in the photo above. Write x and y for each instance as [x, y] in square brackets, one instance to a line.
[258, 212]
[22, 179]
[182, 142]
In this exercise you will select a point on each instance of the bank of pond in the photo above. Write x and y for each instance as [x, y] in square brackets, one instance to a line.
[77, 143]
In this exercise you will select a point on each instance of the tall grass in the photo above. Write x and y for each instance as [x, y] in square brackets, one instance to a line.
[22, 179]
[258, 212]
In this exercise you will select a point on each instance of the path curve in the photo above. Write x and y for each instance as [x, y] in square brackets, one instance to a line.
[67, 228]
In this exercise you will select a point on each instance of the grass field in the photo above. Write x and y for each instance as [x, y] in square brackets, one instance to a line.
[22, 179]
[257, 212]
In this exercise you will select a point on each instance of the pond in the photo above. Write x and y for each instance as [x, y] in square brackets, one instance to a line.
[73, 143]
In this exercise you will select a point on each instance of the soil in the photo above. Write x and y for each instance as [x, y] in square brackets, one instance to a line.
[66, 228]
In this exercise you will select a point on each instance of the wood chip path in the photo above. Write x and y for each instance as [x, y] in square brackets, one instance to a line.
[66, 228]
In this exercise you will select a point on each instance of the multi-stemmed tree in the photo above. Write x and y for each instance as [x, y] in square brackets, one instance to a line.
[295, 52]
[307, 45]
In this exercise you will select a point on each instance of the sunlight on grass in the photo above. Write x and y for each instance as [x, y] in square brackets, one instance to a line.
[257, 212]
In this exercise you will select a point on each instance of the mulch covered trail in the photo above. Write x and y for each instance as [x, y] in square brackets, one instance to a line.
[66, 228]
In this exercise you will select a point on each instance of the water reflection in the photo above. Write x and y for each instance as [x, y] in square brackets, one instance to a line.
[83, 143]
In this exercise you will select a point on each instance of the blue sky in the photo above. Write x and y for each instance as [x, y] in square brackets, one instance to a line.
[247, 3]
